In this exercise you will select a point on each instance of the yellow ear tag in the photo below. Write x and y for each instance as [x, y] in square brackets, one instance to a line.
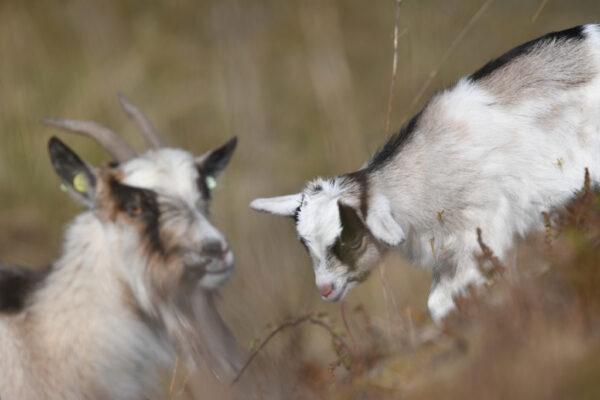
[80, 182]
[211, 183]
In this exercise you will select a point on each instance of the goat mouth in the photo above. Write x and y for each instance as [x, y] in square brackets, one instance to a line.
[220, 265]
[206, 265]
[211, 267]
[221, 270]
[216, 273]
[336, 295]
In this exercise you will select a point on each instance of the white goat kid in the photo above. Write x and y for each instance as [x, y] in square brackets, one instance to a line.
[493, 152]
[134, 287]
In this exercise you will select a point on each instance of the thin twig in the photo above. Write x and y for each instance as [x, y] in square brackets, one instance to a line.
[331, 369]
[539, 10]
[388, 121]
[367, 319]
[488, 255]
[411, 327]
[388, 124]
[586, 185]
[449, 51]
[184, 386]
[347, 327]
[382, 280]
[288, 324]
[172, 385]
[332, 333]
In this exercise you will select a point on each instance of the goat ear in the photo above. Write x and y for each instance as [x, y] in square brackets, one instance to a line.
[352, 226]
[214, 162]
[285, 206]
[76, 175]
[382, 224]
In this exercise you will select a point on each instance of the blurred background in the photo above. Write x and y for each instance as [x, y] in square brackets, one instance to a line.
[303, 84]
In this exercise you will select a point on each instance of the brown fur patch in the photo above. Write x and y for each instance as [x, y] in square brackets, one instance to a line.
[554, 65]
[104, 194]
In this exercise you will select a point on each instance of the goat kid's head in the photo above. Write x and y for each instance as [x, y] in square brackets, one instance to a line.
[156, 204]
[345, 236]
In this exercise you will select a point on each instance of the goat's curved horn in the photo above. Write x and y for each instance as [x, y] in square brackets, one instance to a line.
[112, 142]
[151, 137]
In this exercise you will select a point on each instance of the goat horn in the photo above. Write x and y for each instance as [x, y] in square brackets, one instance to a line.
[151, 137]
[112, 142]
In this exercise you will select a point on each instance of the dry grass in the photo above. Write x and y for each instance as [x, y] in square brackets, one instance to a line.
[534, 334]
[305, 85]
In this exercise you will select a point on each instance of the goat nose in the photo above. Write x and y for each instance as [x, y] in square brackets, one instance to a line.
[325, 290]
[215, 248]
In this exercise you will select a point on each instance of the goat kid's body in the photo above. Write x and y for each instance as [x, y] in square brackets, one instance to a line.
[493, 152]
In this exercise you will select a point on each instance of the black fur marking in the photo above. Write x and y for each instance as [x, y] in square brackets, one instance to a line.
[201, 182]
[350, 245]
[575, 33]
[304, 243]
[218, 159]
[142, 205]
[16, 286]
[361, 277]
[295, 216]
[314, 188]
[393, 145]
[214, 164]
[361, 178]
[67, 165]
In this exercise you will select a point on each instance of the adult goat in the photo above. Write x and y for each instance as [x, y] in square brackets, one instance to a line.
[135, 285]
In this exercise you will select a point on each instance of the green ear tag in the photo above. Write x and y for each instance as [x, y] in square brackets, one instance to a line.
[80, 182]
[211, 183]
[64, 187]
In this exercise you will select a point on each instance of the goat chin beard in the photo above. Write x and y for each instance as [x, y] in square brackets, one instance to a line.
[216, 274]
[210, 273]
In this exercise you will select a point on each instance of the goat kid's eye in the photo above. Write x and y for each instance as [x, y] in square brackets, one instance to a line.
[354, 244]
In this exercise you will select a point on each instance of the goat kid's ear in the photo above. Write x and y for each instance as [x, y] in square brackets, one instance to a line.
[382, 224]
[352, 226]
[76, 175]
[285, 206]
[214, 161]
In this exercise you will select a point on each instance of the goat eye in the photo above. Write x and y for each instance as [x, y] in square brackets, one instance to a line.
[135, 211]
[133, 208]
[356, 243]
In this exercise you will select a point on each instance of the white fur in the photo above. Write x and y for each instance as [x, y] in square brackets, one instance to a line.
[282, 205]
[82, 335]
[382, 223]
[155, 170]
[487, 154]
